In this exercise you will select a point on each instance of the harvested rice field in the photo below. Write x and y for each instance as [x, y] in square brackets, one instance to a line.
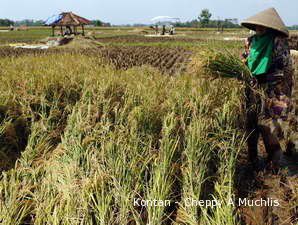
[167, 60]
[117, 129]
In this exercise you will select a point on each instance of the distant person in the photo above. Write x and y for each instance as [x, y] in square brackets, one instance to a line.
[272, 115]
[172, 30]
[68, 30]
[163, 30]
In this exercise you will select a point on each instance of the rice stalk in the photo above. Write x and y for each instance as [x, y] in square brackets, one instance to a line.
[225, 64]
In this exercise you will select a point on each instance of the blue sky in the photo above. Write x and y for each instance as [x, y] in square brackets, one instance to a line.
[140, 11]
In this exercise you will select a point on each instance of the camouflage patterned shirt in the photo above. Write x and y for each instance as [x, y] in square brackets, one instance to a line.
[270, 99]
[278, 83]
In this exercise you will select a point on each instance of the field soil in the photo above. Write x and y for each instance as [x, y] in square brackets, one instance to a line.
[256, 185]
[294, 42]
[144, 39]
[168, 60]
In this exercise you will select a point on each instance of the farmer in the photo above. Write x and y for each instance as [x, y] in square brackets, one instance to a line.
[172, 30]
[270, 107]
[163, 30]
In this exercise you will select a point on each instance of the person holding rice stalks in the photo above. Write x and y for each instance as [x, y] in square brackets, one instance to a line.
[271, 113]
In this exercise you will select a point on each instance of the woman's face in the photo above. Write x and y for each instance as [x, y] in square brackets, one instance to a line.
[260, 30]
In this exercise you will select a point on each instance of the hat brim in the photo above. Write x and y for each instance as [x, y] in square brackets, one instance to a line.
[252, 26]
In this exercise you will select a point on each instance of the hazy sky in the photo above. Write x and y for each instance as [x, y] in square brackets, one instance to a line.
[141, 11]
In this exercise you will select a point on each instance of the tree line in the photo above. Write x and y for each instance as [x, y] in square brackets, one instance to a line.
[29, 22]
[203, 21]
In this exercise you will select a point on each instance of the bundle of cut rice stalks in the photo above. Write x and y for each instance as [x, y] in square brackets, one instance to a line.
[226, 64]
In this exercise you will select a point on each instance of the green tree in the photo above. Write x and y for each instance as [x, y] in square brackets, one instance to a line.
[6, 22]
[204, 17]
[97, 23]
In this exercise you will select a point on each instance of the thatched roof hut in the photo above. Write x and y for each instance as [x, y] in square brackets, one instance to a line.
[67, 20]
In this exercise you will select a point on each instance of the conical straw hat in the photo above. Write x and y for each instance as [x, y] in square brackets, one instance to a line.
[267, 18]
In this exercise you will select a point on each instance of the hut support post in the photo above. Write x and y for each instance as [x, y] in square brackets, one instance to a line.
[61, 30]
[83, 30]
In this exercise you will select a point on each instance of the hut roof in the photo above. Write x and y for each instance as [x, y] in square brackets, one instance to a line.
[69, 19]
